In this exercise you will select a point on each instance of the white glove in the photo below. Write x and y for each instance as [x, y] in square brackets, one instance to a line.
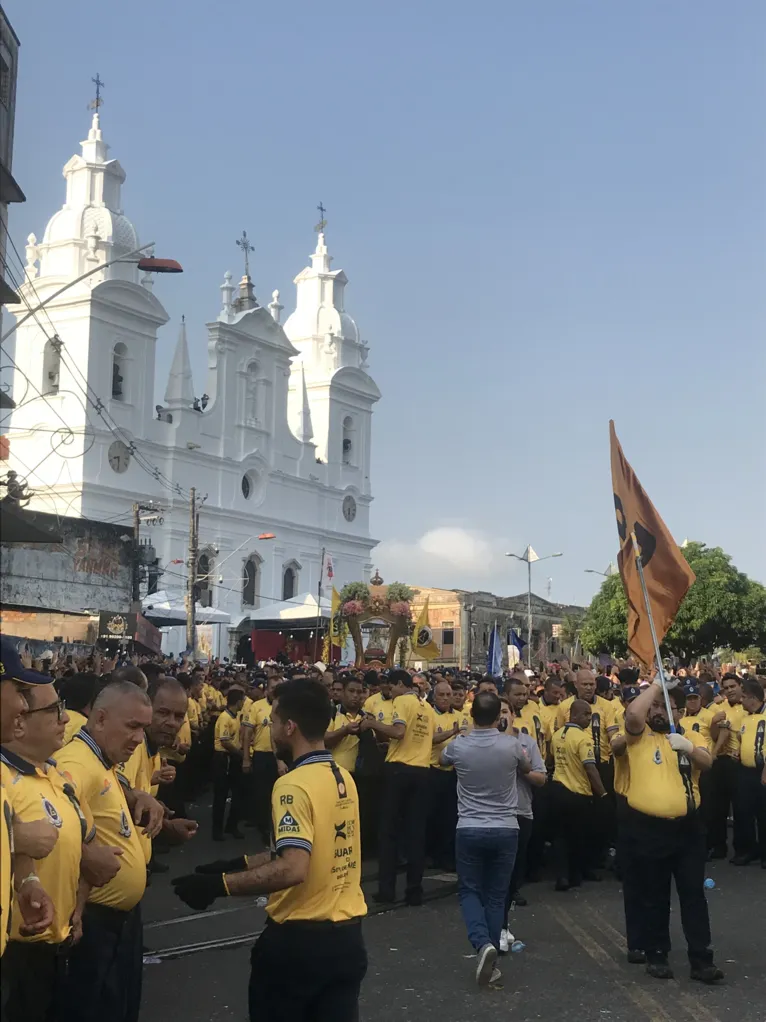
[670, 682]
[680, 744]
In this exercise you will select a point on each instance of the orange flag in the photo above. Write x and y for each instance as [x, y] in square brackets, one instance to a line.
[667, 575]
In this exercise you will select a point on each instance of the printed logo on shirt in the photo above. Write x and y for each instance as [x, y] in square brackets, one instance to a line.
[288, 824]
[340, 831]
[107, 786]
[52, 813]
[658, 757]
[380, 715]
[125, 830]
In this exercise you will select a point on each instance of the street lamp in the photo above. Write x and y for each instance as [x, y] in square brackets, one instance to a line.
[530, 556]
[611, 570]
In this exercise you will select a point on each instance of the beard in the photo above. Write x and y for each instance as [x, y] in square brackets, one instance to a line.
[284, 752]
[660, 724]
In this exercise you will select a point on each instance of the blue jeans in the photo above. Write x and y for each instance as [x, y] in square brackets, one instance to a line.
[485, 858]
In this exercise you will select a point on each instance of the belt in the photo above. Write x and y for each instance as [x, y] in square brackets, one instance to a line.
[314, 924]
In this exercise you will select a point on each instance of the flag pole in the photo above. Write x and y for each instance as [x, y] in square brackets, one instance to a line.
[647, 604]
[319, 609]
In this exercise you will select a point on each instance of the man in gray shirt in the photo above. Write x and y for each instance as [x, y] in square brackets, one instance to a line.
[486, 762]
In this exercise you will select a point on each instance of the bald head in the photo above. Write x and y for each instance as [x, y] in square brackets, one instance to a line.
[580, 713]
[585, 683]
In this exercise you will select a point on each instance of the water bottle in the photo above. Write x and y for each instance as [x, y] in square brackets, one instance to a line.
[517, 946]
[261, 902]
[709, 883]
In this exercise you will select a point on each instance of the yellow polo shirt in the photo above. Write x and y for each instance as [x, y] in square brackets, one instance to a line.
[97, 785]
[658, 785]
[735, 715]
[753, 739]
[548, 713]
[73, 725]
[138, 772]
[602, 720]
[464, 719]
[443, 721]
[43, 793]
[194, 713]
[346, 751]
[315, 807]
[6, 860]
[530, 722]
[259, 719]
[414, 748]
[621, 764]
[226, 729]
[701, 722]
[572, 748]
[381, 709]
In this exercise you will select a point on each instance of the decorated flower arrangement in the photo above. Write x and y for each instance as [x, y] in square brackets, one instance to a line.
[391, 603]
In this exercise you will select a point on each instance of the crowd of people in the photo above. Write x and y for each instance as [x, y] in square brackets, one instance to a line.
[559, 772]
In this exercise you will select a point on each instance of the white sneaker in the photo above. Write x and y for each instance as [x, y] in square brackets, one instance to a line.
[504, 942]
[486, 964]
[496, 976]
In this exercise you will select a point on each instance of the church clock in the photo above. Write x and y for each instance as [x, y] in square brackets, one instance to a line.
[349, 508]
[119, 456]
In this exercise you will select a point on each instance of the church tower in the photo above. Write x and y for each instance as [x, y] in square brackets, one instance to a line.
[330, 375]
[93, 343]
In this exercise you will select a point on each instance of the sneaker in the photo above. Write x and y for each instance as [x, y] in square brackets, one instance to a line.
[486, 964]
[659, 970]
[706, 973]
[505, 943]
[519, 900]
[636, 957]
[496, 975]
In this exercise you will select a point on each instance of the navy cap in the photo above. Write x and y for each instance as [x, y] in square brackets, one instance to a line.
[692, 689]
[12, 669]
[630, 692]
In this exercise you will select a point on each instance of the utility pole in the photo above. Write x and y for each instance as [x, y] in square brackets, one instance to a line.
[191, 581]
[529, 612]
[135, 562]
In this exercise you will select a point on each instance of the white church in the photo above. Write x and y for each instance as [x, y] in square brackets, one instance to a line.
[278, 441]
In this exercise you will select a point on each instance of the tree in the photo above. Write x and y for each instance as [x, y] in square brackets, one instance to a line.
[569, 633]
[723, 608]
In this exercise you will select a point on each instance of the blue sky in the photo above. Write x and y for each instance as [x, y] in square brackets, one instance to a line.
[550, 214]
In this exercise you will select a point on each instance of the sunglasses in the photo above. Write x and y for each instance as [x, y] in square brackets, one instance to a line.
[59, 707]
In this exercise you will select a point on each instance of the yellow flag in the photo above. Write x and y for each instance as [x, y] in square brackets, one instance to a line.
[423, 645]
[334, 611]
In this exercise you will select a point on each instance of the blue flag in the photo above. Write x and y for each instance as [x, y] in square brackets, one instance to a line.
[495, 654]
[514, 639]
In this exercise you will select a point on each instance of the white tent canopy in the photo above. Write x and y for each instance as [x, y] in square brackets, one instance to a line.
[300, 608]
[163, 609]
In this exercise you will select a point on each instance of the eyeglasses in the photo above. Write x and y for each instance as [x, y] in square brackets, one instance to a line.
[59, 707]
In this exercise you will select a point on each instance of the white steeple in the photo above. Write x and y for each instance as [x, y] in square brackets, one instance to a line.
[305, 429]
[91, 226]
[179, 392]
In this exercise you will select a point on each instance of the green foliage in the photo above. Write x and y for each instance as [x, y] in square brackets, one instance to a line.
[570, 629]
[723, 608]
[399, 592]
[355, 591]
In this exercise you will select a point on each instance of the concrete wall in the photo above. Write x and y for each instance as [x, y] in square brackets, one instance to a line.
[89, 571]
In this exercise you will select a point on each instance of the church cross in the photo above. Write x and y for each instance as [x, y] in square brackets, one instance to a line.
[99, 86]
[322, 222]
[247, 248]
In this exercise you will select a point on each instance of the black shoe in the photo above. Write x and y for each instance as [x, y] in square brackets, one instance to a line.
[519, 900]
[717, 853]
[659, 970]
[636, 957]
[158, 867]
[742, 860]
[236, 833]
[561, 885]
[706, 973]
[414, 897]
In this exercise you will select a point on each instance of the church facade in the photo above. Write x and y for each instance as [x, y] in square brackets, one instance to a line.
[279, 442]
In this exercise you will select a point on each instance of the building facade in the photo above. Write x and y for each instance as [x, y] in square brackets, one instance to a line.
[462, 622]
[9, 189]
[279, 441]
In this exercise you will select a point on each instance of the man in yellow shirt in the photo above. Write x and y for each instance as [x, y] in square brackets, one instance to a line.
[723, 777]
[442, 810]
[104, 978]
[459, 699]
[750, 819]
[342, 737]
[575, 781]
[309, 961]
[227, 768]
[661, 832]
[259, 764]
[405, 788]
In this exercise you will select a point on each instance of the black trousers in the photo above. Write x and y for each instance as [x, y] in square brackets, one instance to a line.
[526, 826]
[543, 829]
[227, 779]
[655, 852]
[307, 972]
[573, 841]
[33, 977]
[405, 801]
[631, 889]
[264, 774]
[104, 979]
[750, 813]
[442, 817]
[370, 790]
[721, 795]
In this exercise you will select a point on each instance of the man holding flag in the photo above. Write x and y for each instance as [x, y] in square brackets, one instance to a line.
[661, 835]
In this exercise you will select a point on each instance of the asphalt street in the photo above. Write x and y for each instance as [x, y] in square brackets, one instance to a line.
[573, 965]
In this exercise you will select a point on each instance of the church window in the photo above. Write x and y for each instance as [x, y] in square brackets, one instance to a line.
[448, 633]
[119, 371]
[246, 488]
[51, 367]
[250, 582]
[289, 580]
[348, 441]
